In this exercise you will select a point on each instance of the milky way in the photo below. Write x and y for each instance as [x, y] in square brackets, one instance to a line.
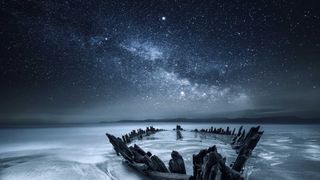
[157, 80]
[116, 60]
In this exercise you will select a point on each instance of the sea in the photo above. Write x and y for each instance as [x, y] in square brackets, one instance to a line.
[286, 152]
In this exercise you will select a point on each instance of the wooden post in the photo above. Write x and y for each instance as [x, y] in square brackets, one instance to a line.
[176, 164]
[249, 143]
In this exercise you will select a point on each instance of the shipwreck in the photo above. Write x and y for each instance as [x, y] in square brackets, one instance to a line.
[208, 164]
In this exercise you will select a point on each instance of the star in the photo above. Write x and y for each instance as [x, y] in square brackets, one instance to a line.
[163, 18]
[182, 93]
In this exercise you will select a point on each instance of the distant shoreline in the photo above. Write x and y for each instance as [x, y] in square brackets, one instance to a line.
[264, 120]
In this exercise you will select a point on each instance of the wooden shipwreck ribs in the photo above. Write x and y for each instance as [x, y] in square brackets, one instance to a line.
[178, 132]
[208, 164]
[139, 134]
[219, 131]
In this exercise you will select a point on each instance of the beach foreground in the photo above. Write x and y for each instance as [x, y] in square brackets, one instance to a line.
[83, 152]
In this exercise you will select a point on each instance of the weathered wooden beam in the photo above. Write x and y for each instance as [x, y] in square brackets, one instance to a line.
[147, 160]
[246, 148]
[176, 163]
[162, 175]
[208, 163]
[198, 160]
[160, 166]
[139, 150]
[120, 147]
[210, 166]
[229, 174]
[239, 131]
[178, 134]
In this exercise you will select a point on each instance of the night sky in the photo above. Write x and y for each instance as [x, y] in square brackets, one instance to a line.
[79, 61]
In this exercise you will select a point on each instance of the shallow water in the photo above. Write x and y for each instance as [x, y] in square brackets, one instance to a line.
[284, 151]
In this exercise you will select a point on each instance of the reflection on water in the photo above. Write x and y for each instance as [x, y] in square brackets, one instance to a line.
[284, 151]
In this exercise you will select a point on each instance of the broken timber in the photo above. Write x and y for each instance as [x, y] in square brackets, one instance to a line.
[139, 134]
[178, 132]
[148, 164]
[208, 164]
[245, 146]
[219, 131]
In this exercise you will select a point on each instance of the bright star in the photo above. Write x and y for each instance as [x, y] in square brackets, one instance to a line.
[163, 18]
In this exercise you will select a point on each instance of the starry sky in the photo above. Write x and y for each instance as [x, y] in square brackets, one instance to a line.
[103, 60]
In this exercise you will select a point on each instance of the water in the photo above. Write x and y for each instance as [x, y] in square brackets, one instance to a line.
[284, 151]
